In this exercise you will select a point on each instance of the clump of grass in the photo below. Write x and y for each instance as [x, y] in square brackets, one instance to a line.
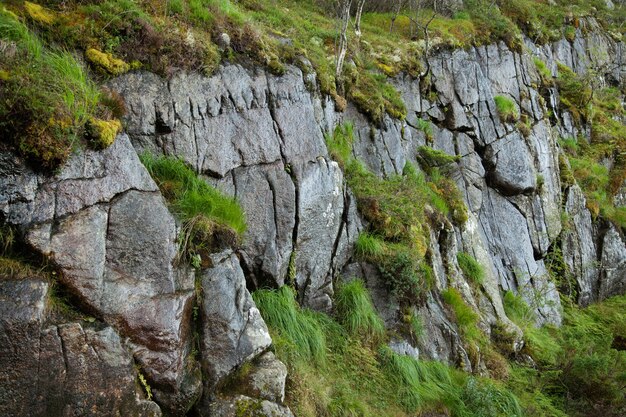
[300, 329]
[433, 158]
[368, 246]
[374, 96]
[471, 268]
[427, 127]
[339, 144]
[465, 316]
[575, 93]
[47, 97]
[507, 109]
[210, 219]
[356, 313]
[544, 72]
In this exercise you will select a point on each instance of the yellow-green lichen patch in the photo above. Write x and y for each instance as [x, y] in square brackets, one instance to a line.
[106, 62]
[39, 14]
[103, 132]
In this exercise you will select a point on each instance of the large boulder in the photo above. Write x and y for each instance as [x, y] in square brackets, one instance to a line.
[103, 223]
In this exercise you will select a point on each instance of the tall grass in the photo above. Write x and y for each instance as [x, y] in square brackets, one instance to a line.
[300, 329]
[471, 268]
[191, 196]
[356, 312]
[47, 96]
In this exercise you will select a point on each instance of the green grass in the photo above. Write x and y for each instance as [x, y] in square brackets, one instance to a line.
[210, 218]
[335, 371]
[578, 365]
[399, 210]
[47, 97]
[356, 313]
[472, 270]
[301, 331]
[368, 246]
[507, 109]
[466, 317]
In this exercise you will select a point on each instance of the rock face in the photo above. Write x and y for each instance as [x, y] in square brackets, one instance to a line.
[257, 137]
[66, 369]
[103, 224]
[233, 330]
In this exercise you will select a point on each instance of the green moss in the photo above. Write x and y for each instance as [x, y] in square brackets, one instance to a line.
[507, 109]
[103, 132]
[39, 14]
[106, 62]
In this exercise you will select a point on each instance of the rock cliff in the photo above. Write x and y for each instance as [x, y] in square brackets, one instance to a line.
[104, 226]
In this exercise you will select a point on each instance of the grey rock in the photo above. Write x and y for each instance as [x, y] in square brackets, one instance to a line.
[242, 406]
[268, 196]
[61, 370]
[233, 330]
[510, 167]
[579, 247]
[613, 278]
[103, 223]
[267, 379]
[403, 347]
[321, 206]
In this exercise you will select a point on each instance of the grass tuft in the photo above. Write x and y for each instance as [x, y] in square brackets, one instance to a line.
[356, 312]
[471, 268]
[507, 109]
[210, 219]
[300, 330]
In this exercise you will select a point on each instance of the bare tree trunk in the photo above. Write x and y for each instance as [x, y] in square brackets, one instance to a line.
[343, 43]
[396, 12]
[357, 18]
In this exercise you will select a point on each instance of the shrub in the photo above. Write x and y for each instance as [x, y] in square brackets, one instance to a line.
[507, 109]
[471, 268]
[408, 279]
[356, 312]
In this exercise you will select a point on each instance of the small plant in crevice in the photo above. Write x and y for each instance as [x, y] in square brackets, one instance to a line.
[143, 382]
[426, 127]
[472, 270]
[507, 109]
[210, 219]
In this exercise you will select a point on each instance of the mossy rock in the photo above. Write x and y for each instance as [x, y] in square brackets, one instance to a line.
[103, 132]
[39, 14]
[106, 63]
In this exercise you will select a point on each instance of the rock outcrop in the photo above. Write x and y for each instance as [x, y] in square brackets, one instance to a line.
[102, 223]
